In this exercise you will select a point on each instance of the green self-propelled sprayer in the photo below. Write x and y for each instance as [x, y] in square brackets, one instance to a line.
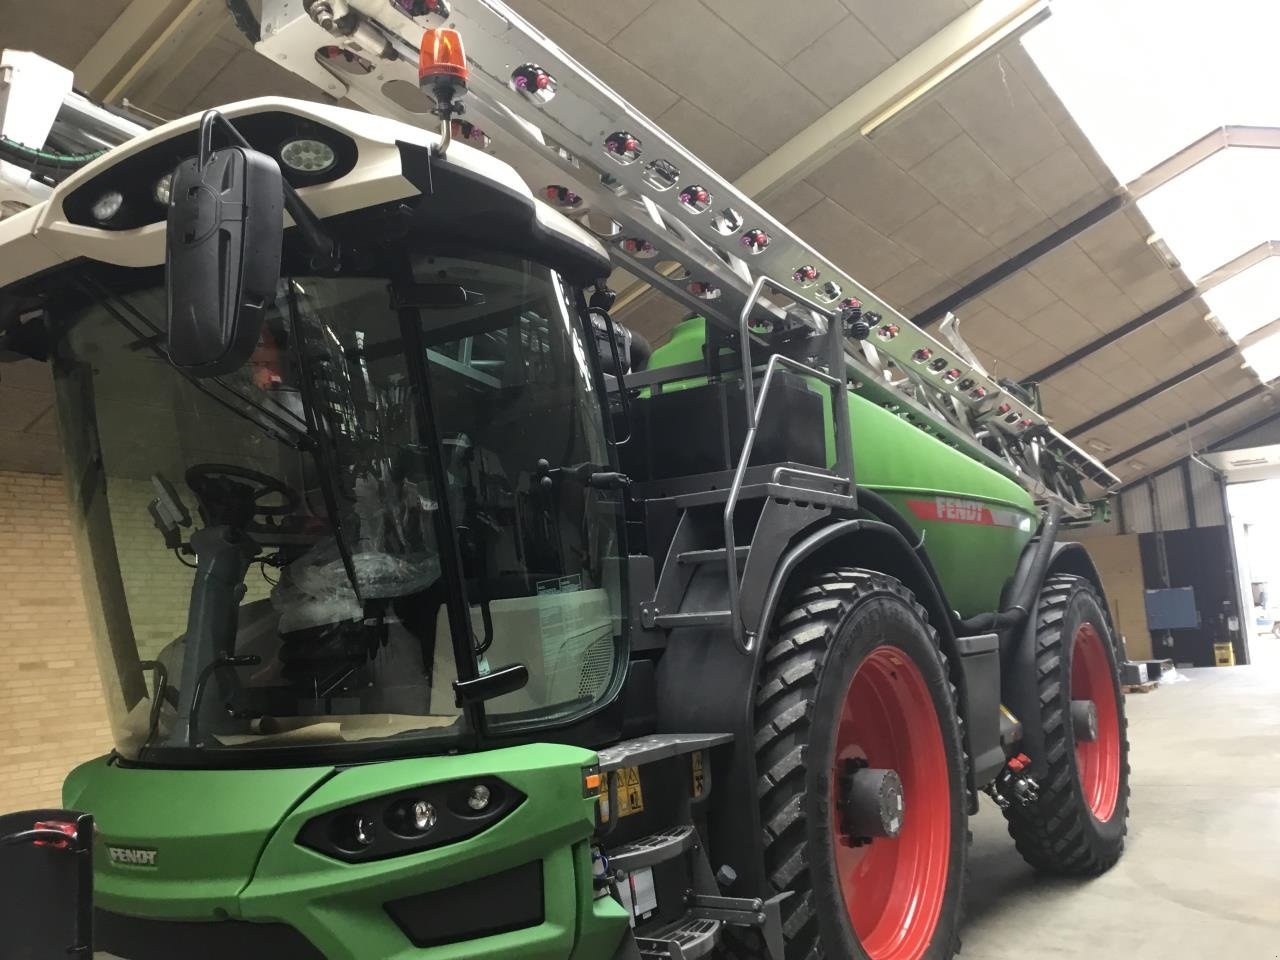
[439, 617]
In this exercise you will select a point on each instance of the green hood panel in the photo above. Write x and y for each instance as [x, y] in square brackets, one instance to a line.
[328, 899]
[207, 828]
[226, 847]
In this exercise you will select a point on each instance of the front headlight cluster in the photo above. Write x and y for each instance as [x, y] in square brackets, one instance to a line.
[411, 820]
[135, 191]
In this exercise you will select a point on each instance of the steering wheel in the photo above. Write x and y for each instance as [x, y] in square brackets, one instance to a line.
[234, 495]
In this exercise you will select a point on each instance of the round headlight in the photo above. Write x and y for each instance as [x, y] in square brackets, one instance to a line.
[423, 814]
[479, 797]
[163, 189]
[107, 206]
[308, 156]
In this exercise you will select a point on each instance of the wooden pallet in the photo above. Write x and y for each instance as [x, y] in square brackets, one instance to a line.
[1141, 687]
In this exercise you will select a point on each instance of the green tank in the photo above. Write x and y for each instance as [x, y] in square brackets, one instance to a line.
[973, 519]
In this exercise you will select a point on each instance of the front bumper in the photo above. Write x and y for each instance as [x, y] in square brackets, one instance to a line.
[465, 899]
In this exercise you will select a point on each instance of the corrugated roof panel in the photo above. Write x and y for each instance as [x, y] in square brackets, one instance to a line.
[1206, 491]
[1171, 499]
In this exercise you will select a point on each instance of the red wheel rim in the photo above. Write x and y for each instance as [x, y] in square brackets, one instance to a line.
[1098, 760]
[894, 888]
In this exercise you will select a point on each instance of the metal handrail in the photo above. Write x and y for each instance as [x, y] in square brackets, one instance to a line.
[755, 407]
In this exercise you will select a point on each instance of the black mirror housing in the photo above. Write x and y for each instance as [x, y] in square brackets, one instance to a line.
[222, 257]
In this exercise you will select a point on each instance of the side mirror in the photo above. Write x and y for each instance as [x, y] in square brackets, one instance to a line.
[222, 257]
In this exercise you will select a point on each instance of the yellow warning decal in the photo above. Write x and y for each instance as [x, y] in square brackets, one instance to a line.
[699, 778]
[630, 796]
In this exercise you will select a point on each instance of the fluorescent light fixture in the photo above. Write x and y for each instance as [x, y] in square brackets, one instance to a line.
[1097, 446]
[1249, 300]
[1264, 358]
[979, 37]
[1220, 208]
[1145, 78]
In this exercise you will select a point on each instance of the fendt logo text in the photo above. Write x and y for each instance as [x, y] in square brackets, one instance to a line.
[132, 856]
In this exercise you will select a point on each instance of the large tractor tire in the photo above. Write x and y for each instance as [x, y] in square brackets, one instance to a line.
[1078, 824]
[858, 738]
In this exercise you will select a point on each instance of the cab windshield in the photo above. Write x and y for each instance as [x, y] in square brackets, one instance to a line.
[269, 556]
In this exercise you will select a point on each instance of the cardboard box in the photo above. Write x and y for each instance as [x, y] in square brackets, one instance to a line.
[1133, 673]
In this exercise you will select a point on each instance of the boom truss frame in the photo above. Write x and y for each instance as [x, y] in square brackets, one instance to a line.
[667, 217]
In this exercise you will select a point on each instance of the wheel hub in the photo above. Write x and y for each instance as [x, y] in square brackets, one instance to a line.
[1096, 722]
[872, 804]
[1084, 720]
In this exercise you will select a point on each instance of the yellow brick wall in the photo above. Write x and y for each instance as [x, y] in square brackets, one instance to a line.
[51, 709]
[157, 586]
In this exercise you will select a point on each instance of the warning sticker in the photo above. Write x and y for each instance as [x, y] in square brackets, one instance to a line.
[630, 796]
[699, 778]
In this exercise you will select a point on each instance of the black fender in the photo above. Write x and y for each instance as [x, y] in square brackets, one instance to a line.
[875, 546]
[1074, 558]
[1020, 683]
[707, 684]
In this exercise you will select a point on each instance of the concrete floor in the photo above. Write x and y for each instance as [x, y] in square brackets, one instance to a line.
[1200, 877]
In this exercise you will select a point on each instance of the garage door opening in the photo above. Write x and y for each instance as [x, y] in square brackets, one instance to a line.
[1255, 532]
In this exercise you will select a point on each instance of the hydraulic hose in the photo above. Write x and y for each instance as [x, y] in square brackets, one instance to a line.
[244, 19]
[1023, 596]
[44, 161]
[1018, 609]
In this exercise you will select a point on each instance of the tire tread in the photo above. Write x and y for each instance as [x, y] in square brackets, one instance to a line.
[792, 666]
[1055, 834]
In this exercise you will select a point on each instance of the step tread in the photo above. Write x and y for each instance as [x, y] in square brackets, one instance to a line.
[695, 618]
[686, 939]
[655, 848]
[658, 746]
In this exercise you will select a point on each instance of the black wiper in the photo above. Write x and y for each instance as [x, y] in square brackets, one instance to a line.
[202, 679]
[157, 701]
[327, 465]
[282, 430]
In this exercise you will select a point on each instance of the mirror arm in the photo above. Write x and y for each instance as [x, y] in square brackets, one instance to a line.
[320, 243]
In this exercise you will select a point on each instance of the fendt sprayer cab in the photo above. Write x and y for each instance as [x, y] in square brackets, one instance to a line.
[272, 581]
[438, 617]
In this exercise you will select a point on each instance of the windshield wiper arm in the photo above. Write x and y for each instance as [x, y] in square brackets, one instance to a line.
[327, 466]
[223, 662]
